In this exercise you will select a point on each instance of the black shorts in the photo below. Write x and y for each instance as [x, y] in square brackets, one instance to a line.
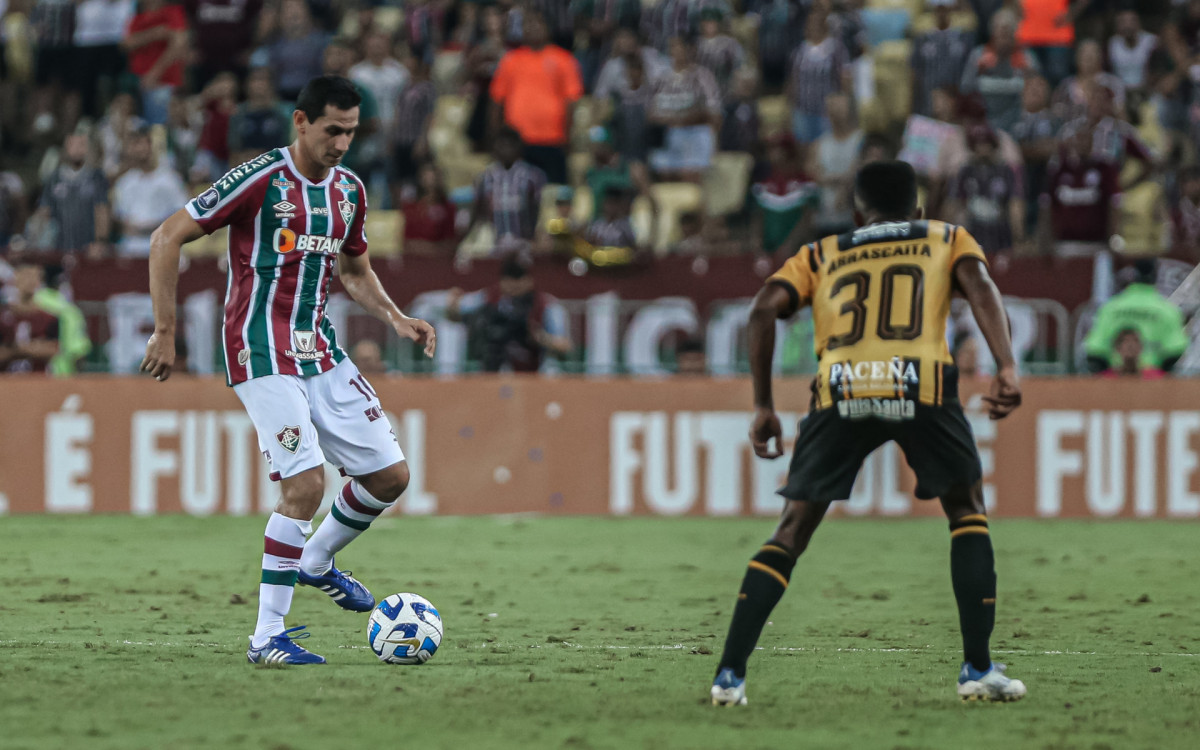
[403, 167]
[937, 442]
[550, 159]
[55, 65]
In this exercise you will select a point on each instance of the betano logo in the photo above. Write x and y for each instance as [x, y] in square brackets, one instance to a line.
[285, 241]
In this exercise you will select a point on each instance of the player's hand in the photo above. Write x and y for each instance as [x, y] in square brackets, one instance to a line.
[1006, 394]
[160, 356]
[420, 332]
[765, 429]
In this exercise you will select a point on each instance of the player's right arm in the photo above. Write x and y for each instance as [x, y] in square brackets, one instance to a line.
[165, 244]
[783, 294]
[972, 279]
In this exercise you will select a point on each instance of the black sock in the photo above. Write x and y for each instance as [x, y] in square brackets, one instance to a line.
[973, 572]
[766, 580]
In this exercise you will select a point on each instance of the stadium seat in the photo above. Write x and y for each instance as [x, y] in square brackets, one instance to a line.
[726, 183]
[642, 218]
[158, 140]
[582, 206]
[386, 19]
[447, 67]
[893, 79]
[480, 243]
[447, 129]
[885, 24]
[586, 115]
[1151, 129]
[453, 111]
[578, 164]
[209, 246]
[461, 170]
[924, 21]
[774, 115]
[744, 29]
[385, 233]
[1140, 222]
[674, 199]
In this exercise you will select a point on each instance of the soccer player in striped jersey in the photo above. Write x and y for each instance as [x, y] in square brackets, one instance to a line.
[292, 214]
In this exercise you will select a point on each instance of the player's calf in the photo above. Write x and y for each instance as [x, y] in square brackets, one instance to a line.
[360, 502]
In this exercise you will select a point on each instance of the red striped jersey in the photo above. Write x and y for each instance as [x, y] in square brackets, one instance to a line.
[284, 234]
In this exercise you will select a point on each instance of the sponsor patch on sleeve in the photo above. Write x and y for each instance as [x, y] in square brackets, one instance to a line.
[208, 199]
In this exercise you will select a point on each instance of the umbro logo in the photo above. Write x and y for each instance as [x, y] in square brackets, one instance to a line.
[285, 210]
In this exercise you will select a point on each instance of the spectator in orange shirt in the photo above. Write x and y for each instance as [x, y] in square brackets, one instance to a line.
[534, 89]
[1048, 31]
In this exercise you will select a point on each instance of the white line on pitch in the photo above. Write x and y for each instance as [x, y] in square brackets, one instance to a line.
[604, 647]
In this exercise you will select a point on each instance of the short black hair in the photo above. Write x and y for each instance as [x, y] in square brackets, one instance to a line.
[1126, 332]
[513, 268]
[888, 188]
[326, 90]
[509, 134]
[687, 40]
[1145, 271]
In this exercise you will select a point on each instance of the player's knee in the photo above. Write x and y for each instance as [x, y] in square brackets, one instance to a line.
[798, 524]
[963, 500]
[388, 484]
[300, 495]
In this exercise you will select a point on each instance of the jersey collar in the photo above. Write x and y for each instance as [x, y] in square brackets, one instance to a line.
[287, 157]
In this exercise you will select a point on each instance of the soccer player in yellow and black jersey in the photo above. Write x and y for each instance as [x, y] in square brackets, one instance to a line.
[880, 296]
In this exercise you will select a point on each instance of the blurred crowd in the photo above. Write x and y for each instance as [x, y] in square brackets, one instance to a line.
[619, 130]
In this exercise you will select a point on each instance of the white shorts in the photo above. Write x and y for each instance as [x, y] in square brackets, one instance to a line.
[334, 416]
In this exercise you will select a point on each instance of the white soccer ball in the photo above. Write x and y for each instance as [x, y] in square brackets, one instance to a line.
[404, 629]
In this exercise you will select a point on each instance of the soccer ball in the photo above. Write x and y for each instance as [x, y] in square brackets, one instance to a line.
[404, 629]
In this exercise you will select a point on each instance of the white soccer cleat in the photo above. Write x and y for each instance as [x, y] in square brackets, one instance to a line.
[728, 690]
[992, 685]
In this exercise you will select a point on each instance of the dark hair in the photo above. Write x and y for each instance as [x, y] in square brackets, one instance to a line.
[687, 40]
[887, 187]
[510, 135]
[689, 345]
[1145, 271]
[513, 268]
[321, 91]
[1126, 332]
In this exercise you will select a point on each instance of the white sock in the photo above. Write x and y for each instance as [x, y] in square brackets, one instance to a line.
[352, 513]
[282, 549]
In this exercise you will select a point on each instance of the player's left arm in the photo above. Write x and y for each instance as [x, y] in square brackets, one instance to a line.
[364, 286]
[972, 279]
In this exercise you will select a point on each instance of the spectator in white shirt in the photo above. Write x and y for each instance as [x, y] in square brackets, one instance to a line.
[1129, 50]
[144, 196]
[383, 75]
[99, 29]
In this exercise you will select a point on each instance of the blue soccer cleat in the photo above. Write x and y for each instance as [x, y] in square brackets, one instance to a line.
[282, 649]
[728, 689]
[991, 685]
[342, 587]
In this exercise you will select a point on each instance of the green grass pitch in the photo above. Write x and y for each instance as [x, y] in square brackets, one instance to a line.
[594, 633]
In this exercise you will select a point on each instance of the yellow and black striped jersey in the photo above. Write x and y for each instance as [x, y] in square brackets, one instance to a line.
[880, 296]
